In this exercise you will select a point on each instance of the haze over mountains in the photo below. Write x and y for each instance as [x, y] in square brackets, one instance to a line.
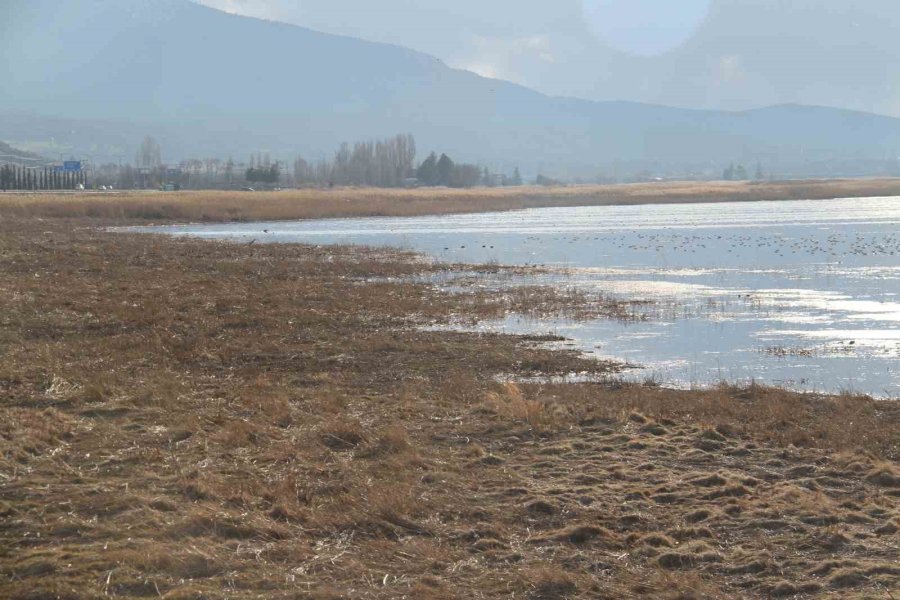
[717, 54]
[95, 76]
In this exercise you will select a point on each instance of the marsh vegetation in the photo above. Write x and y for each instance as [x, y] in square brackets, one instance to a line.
[197, 419]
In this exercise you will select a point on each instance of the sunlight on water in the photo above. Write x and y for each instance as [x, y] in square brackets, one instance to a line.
[804, 294]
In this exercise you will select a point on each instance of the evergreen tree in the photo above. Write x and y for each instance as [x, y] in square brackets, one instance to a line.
[444, 170]
[517, 177]
[427, 172]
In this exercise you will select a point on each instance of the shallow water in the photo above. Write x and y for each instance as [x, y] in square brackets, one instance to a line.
[803, 294]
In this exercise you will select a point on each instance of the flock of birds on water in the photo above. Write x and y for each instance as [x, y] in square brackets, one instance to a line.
[833, 246]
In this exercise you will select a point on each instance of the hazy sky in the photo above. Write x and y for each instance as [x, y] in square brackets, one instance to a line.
[493, 37]
[730, 54]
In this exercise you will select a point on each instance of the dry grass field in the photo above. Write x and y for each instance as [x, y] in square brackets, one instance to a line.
[351, 202]
[188, 419]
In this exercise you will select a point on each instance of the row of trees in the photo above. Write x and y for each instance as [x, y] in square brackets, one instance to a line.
[209, 173]
[379, 163]
[443, 171]
[435, 171]
[391, 163]
[16, 177]
[263, 174]
[388, 163]
[739, 173]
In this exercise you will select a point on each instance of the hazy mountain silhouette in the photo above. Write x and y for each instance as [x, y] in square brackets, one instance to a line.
[98, 75]
[10, 154]
[758, 52]
[743, 54]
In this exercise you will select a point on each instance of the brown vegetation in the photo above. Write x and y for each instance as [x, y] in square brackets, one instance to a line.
[189, 419]
[214, 206]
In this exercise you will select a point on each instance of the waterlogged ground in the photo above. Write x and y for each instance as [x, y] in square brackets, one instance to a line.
[802, 294]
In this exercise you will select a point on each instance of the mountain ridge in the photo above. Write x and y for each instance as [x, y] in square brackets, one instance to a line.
[208, 83]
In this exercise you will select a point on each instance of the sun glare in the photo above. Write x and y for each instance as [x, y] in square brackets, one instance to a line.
[645, 27]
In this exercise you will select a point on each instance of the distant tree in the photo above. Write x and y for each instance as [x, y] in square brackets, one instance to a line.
[263, 174]
[403, 156]
[465, 176]
[149, 155]
[759, 176]
[303, 172]
[740, 174]
[444, 170]
[547, 181]
[229, 171]
[728, 174]
[516, 178]
[212, 167]
[427, 173]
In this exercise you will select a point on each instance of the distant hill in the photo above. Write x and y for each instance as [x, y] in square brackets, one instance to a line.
[14, 155]
[95, 76]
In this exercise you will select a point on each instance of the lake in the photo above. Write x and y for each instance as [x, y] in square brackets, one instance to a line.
[800, 294]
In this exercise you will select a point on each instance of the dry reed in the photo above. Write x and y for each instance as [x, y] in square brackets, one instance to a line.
[220, 206]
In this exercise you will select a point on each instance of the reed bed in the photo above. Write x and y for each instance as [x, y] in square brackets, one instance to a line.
[223, 206]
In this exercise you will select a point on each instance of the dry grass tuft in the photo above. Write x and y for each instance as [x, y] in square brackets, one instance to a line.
[511, 403]
[393, 441]
[548, 584]
[340, 434]
[885, 475]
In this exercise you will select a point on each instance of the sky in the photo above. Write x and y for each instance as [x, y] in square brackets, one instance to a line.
[720, 54]
[493, 38]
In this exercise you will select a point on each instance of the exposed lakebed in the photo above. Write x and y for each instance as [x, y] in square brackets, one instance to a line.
[800, 294]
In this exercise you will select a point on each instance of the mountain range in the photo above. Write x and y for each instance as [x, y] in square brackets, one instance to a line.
[716, 54]
[10, 154]
[93, 77]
